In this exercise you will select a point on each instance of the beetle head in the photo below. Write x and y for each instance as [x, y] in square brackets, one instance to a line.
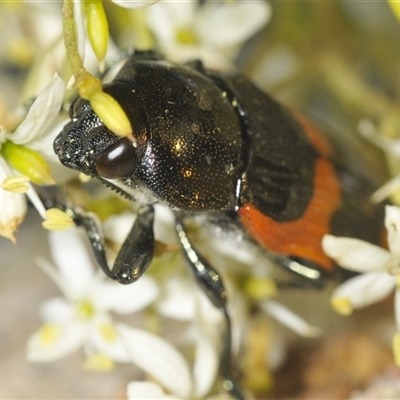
[87, 145]
[187, 137]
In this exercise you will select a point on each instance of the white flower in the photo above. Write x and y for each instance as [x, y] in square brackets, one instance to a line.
[181, 298]
[379, 267]
[212, 31]
[177, 377]
[379, 271]
[289, 319]
[12, 205]
[83, 317]
[151, 391]
[134, 3]
[146, 390]
[92, 31]
[31, 37]
[35, 133]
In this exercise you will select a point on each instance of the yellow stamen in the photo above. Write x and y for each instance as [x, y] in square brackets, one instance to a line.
[260, 288]
[57, 220]
[99, 362]
[342, 305]
[90, 88]
[97, 28]
[16, 184]
[28, 162]
[108, 332]
[84, 178]
[85, 309]
[111, 113]
[186, 36]
[49, 333]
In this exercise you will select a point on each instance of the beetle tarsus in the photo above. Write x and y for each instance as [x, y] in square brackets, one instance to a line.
[229, 383]
[91, 225]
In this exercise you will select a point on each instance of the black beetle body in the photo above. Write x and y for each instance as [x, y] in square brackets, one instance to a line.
[211, 143]
[208, 141]
[189, 163]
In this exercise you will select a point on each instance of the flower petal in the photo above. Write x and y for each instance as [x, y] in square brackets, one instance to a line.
[146, 391]
[134, 3]
[52, 342]
[289, 319]
[73, 260]
[41, 115]
[165, 18]
[125, 299]
[354, 254]
[158, 358]
[178, 300]
[12, 206]
[365, 289]
[56, 311]
[231, 23]
[104, 337]
[117, 227]
[44, 145]
[206, 362]
[164, 223]
[392, 224]
[211, 58]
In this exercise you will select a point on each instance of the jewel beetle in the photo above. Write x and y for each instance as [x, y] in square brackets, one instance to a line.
[211, 143]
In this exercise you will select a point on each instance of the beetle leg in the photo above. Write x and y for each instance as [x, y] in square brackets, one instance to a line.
[91, 224]
[211, 284]
[136, 252]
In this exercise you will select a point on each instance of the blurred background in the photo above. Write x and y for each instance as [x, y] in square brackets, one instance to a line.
[338, 64]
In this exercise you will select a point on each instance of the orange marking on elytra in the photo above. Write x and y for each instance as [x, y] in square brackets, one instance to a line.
[301, 237]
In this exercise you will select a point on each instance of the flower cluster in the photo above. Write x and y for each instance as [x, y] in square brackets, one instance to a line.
[378, 268]
[113, 323]
[25, 155]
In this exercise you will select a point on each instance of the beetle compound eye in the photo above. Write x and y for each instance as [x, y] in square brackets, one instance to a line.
[117, 160]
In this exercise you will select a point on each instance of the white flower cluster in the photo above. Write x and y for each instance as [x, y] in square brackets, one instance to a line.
[378, 268]
[213, 31]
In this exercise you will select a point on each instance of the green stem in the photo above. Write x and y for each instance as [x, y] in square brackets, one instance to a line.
[70, 41]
